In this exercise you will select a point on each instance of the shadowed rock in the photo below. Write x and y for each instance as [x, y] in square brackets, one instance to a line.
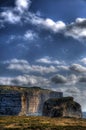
[62, 107]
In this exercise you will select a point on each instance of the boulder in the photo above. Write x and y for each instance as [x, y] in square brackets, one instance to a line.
[62, 107]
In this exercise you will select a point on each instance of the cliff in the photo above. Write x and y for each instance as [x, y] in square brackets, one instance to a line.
[62, 107]
[24, 101]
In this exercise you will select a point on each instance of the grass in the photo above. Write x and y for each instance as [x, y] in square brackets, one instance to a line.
[5, 89]
[41, 123]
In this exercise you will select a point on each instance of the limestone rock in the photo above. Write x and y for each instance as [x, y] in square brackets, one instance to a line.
[24, 101]
[62, 107]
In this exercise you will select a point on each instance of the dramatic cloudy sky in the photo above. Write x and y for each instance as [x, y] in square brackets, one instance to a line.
[43, 43]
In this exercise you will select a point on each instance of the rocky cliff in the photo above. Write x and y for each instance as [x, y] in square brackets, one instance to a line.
[24, 101]
[62, 107]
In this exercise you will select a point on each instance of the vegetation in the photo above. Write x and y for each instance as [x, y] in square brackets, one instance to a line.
[5, 88]
[41, 123]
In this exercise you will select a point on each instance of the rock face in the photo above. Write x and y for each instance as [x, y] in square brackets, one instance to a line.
[10, 103]
[24, 101]
[62, 107]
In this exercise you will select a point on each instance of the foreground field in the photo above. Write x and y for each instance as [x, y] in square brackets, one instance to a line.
[41, 123]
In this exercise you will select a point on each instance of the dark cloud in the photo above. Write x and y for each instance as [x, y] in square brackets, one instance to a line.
[82, 79]
[59, 79]
[77, 29]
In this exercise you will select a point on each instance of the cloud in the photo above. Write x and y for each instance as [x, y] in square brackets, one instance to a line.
[20, 14]
[83, 60]
[16, 61]
[70, 79]
[14, 15]
[44, 69]
[73, 90]
[10, 17]
[78, 68]
[23, 5]
[77, 29]
[82, 79]
[30, 80]
[47, 60]
[24, 80]
[30, 35]
[59, 79]
[5, 81]
[47, 23]
[18, 64]
[54, 26]
[63, 67]
[24, 67]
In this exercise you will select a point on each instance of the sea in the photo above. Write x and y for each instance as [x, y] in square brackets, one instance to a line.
[84, 114]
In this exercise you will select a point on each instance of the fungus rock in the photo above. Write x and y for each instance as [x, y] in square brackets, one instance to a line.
[62, 107]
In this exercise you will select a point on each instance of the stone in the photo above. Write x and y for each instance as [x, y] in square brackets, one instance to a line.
[24, 101]
[62, 107]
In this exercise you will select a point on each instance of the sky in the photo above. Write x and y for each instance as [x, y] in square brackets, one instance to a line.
[43, 43]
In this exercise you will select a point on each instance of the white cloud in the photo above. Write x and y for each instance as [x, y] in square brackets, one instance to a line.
[20, 65]
[23, 5]
[80, 20]
[78, 68]
[5, 81]
[55, 26]
[25, 67]
[83, 60]
[14, 15]
[44, 69]
[25, 80]
[63, 67]
[16, 61]
[77, 29]
[30, 80]
[48, 60]
[10, 17]
[30, 35]
[48, 23]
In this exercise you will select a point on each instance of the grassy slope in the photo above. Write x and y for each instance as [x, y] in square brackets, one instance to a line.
[41, 123]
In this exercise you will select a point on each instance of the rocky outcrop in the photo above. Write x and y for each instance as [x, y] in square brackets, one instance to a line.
[62, 107]
[24, 101]
[10, 103]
